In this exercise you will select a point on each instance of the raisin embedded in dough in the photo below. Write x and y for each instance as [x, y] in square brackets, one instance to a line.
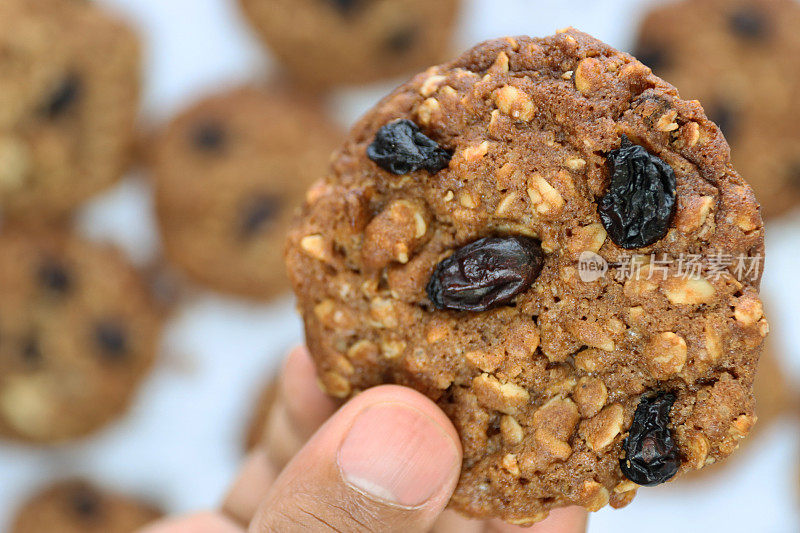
[638, 207]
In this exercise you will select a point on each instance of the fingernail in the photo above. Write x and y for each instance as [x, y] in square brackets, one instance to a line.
[396, 453]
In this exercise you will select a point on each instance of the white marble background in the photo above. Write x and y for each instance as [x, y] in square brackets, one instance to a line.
[181, 442]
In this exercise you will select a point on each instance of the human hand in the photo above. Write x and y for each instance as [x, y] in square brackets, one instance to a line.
[388, 460]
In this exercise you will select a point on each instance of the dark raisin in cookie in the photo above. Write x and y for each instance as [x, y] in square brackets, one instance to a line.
[230, 173]
[342, 42]
[69, 80]
[471, 282]
[78, 332]
[76, 506]
[741, 59]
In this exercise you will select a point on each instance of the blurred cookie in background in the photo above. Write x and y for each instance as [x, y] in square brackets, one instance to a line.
[347, 42]
[229, 174]
[77, 506]
[741, 59]
[69, 97]
[78, 332]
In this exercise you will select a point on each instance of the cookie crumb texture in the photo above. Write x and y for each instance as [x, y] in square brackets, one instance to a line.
[774, 399]
[230, 174]
[344, 42]
[543, 390]
[741, 59]
[76, 506]
[69, 80]
[78, 332]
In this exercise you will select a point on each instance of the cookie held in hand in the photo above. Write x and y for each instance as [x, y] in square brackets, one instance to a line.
[467, 283]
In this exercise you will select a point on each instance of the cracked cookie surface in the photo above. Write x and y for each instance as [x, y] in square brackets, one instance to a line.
[543, 389]
[230, 173]
[69, 85]
[741, 59]
[335, 42]
[77, 506]
[78, 332]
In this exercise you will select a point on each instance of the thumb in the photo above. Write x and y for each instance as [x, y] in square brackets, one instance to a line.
[386, 461]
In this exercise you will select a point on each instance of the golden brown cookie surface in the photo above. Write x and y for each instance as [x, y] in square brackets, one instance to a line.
[76, 506]
[69, 91]
[230, 173]
[774, 398]
[740, 58]
[444, 252]
[343, 42]
[78, 331]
